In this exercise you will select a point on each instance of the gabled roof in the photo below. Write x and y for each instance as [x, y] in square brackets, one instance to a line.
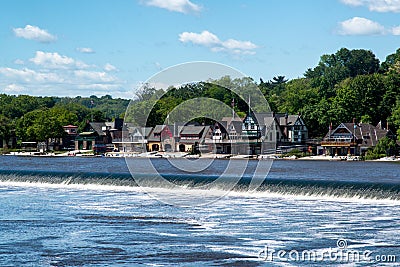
[369, 134]
[269, 120]
[142, 131]
[158, 129]
[260, 117]
[192, 130]
[97, 127]
[237, 126]
[225, 121]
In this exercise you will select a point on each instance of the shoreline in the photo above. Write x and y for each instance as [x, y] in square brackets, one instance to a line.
[177, 155]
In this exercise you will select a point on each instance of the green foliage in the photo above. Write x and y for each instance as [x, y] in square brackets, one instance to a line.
[334, 68]
[294, 152]
[41, 124]
[6, 127]
[152, 106]
[360, 96]
[385, 147]
[345, 85]
[395, 118]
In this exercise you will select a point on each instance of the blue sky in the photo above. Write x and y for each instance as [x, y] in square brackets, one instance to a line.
[71, 47]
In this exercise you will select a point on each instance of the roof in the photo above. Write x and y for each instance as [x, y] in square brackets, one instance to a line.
[158, 129]
[143, 131]
[70, 126]
[260, 117]
[201, 132]
[237, 125]
[228, 120]
[117, 124]
[269, 120]
[291, 120]
[369, 134]
[97, 127]
[192, 130]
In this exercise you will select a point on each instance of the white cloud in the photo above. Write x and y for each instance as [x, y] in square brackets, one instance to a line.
[57, 75]
[56, 61]
[26, 75]
[206, 38]
[85, 50]
[14, 89]
[182, 6]
[19, 62]
[396, 30]
[109, 67]
[34, 33]
[376, 5]
[94, 76]
[360, 26]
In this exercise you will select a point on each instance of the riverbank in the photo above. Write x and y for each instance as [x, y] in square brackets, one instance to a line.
[89, 153]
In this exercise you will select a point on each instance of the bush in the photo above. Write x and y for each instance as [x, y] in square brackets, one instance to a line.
[294, 152]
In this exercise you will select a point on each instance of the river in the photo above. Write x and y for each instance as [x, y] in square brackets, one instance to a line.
[70, 211]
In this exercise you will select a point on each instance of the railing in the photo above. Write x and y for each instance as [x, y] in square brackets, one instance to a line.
[337, 143]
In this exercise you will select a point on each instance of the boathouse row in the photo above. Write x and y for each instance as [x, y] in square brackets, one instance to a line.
[353, 138]
[257, 133]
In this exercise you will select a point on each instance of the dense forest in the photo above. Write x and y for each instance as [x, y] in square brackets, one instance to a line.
[38, 118]
[345, 85]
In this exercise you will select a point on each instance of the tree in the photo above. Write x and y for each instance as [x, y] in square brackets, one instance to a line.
[391, 64]
[385, 147]
[5, 130]
[359, 96]
[337, 67]
[278, 80]
[395, 118]
[41, 124]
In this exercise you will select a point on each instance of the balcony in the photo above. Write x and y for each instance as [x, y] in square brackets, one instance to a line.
[334, 143]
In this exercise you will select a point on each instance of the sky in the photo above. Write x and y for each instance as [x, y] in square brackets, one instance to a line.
[98, 47]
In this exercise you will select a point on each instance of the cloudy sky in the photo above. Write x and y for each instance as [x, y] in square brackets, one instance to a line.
[74, 47]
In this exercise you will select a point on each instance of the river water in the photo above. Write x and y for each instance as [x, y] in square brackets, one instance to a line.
[90, 212]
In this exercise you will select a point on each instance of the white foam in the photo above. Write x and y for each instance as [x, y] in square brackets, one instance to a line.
[167, 234]
[201, 193]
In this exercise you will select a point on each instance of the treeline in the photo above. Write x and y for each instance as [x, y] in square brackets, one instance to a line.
[345, 85]
[32, 118]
